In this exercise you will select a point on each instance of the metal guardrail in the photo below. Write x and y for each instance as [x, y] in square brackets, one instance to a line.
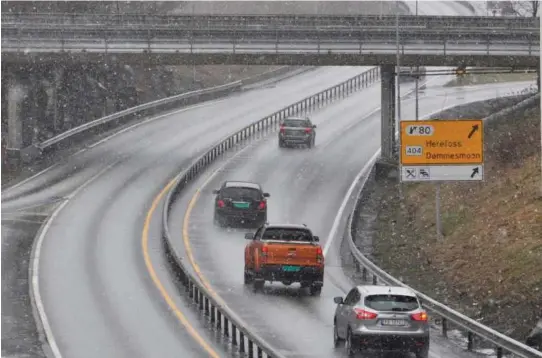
[157, 106]
[372, 273]
[221, 316]
[274, 21]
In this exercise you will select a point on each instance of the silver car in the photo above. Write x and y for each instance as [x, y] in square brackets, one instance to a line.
[381, 318]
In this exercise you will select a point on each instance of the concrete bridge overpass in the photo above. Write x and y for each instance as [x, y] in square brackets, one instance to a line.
[258, 40]
[275, 39]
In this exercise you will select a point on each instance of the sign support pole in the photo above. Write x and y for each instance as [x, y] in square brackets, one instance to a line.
[398, 90]
[438, 223]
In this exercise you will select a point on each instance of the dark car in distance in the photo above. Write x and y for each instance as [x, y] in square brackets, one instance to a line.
[239, 202]
[297, 131]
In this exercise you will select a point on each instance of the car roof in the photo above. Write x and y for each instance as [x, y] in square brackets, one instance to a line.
[385, 290]
[241, 184]
[296, 119]
[286, 226]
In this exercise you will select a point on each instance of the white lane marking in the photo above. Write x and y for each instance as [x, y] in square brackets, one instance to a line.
[29, 179]
[35, 288]
[133, 126]
[339, 215]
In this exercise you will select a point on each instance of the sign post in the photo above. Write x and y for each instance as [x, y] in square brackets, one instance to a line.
[442, 150]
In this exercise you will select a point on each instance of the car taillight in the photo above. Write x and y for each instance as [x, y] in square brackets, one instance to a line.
[362, 314]
[261, 206]
[319, 255]
[308, 130]
[421, 316]
[220, 203]
[282, 129]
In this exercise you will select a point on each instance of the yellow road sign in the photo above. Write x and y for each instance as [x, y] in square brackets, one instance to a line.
[437, 142]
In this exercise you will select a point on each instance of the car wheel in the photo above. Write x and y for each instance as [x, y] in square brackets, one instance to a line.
[309, 144]
[315, 290]
[281, 144]
[336, 339]
[217, 220]
[348, 347]
[247, 278]
[422, 354]
[258, 285]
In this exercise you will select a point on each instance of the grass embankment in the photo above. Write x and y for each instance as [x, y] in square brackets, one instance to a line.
[488, 263]
[481, 79]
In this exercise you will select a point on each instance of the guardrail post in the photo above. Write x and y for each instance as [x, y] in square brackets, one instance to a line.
[218, 319]
[375, 280]
[196, 294]
[364, 274]
[470, 342]
[206, 306]
[213, 313]
[260, 352]
[250, 348]
[445, 328]
[200, 301]
[241, 342]
[226, 327]
[233, 335]
[499, 352]
[190, 288]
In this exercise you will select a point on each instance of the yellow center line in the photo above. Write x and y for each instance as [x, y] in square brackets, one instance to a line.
[145, 247]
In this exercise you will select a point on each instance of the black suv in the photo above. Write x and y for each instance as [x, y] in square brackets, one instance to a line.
[240, 202]
[295, 131]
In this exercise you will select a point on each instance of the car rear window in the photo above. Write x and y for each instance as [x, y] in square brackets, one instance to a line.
[296, 123]
[398, 303]
[241, 194]
[283, 234]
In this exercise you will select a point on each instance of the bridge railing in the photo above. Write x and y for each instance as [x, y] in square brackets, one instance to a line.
[406, 22]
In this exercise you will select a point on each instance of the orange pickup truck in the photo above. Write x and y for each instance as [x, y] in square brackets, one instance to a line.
[285, 253]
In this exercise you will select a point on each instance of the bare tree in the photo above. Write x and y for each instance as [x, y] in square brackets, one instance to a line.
[525, 8]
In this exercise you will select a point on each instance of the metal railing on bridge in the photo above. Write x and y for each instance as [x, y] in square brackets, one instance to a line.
[407, 22]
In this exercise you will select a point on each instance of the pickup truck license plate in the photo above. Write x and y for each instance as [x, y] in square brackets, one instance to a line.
[290, 268]
[393, 322]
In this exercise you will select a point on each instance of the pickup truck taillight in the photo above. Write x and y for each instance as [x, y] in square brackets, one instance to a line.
[282, 129]
[308, 130]
[265, 250]
[220, 203]
[261, 205]
[319, 255]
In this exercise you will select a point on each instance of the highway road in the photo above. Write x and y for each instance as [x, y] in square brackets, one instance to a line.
[211, 120]
[306, 186]
[96, 290]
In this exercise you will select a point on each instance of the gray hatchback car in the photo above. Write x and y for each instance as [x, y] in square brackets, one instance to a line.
[381, 318]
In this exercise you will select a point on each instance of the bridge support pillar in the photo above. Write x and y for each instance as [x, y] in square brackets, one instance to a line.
[387, 165]
[16, 96]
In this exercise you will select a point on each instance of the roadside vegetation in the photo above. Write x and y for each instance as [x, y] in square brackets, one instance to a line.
[481, 79]
[487, 262]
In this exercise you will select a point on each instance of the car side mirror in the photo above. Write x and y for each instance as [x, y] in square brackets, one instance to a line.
[338, 300]
[266, 195]
[314, 126]
[316, 239]
[216, 191]
[249, 236]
